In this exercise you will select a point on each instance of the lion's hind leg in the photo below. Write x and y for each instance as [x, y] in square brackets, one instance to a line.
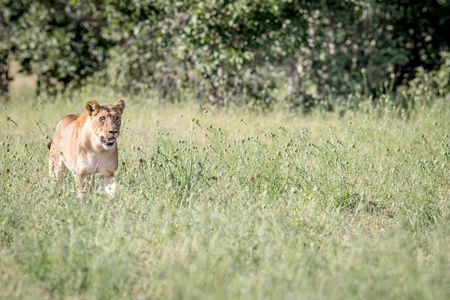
[56, 164]
[57, 168]
[60, 170]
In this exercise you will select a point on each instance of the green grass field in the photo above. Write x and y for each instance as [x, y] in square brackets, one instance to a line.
[231, 204]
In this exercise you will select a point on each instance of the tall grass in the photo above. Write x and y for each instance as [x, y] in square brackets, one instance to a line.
[231, 204]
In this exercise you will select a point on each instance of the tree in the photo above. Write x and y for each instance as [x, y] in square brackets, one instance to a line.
[10, 14]
[216, 49]
[61, 42]
[377, 37]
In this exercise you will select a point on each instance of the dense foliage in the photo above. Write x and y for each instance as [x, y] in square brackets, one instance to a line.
[225, 50]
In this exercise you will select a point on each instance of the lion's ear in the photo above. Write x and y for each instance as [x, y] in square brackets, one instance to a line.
[92, 107]
[120, 105]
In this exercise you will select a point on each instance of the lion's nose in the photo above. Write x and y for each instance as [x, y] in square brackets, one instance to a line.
[113, 131]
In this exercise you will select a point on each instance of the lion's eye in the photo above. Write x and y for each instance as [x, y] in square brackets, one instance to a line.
[102, 119]
[117, 118]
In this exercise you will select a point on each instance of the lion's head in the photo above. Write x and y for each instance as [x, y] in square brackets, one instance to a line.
[106, 121]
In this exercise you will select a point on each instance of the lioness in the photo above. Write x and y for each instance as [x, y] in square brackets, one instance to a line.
[86, 144]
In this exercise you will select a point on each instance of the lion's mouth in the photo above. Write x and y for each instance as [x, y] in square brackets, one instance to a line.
[108, 141]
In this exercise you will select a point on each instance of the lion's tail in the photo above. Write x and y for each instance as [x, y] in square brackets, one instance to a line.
[49, 145]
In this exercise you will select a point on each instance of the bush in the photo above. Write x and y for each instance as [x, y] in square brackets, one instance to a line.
[428, 84]
[228, 51]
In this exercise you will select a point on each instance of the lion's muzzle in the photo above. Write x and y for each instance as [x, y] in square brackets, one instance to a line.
[108, 141]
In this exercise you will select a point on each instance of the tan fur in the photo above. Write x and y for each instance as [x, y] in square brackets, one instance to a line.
[86, 144]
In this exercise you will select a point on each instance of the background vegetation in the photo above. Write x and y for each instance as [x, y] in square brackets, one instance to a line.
[297, 52]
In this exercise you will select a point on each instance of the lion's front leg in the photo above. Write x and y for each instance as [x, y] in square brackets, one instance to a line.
[80, 181]
[109, 183]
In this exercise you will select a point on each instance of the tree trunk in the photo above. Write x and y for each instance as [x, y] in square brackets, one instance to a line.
[4, 74]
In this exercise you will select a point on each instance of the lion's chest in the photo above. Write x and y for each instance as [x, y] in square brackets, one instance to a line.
[97, 162]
